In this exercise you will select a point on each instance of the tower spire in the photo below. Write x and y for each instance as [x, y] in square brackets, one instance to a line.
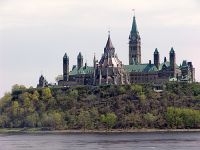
[134, 30]
[109, 46]
[134, 44]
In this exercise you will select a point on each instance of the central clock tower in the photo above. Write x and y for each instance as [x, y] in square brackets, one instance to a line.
[134, 45]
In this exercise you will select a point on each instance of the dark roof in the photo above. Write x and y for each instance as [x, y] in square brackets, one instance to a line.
[156, 51]
[172, 50]
[79, 55]
[109, 44]
[184, 63]
[65, 56]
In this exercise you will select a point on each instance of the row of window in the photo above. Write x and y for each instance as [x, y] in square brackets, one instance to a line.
[143, 78]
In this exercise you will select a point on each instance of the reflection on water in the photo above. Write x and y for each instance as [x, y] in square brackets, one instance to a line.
[110, 141]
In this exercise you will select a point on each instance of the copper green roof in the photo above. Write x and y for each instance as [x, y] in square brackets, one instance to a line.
[167, 65]
[134, 31]
[83, 70]
[134, 26]
[141, 68]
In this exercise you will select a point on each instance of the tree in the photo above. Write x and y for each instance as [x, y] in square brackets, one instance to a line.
[84, 120]
[4, 121]
[5, 101]
[17, 87]
[150, 119]
[54, 120]
[94, 115]
[31, 120]
[46, 93]
[15, 108]
[35, 96]
[109, 119]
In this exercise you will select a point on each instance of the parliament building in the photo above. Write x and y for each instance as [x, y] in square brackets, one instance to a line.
[111, 70]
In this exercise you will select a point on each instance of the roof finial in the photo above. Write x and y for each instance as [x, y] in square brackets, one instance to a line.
[133, 12]
[108, 33]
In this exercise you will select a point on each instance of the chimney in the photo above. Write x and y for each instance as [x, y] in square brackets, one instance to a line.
[149, 62]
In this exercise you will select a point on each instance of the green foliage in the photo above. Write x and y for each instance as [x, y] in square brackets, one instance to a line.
[46, 93]
[32, 120]
[137, 89]
[183, 117]
[149, 119]
[4, 121]
[17, 87]
[53, 120]
[84, 120]
[109, 119]
[111, 106]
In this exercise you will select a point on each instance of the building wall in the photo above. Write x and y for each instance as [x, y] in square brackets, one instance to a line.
[136, 77]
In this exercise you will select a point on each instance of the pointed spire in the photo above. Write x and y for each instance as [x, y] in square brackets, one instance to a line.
[172, 50]
[134, 26]
[109, 44]
[156, 51]
[79, 55]
[134, 30]
[65, 55]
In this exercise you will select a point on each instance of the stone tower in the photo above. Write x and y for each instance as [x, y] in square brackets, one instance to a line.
[156, 58]
[172, 57]
[79, 60]
[65, 67]
[134, 45]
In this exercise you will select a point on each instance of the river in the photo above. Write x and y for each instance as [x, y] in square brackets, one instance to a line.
[102, 141]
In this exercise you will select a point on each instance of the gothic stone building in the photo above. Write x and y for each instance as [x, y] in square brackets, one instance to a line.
[110, 70]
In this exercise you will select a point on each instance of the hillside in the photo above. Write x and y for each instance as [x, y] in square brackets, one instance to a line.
[104, 107]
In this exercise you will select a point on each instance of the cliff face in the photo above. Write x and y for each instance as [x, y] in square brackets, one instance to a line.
[89, 107]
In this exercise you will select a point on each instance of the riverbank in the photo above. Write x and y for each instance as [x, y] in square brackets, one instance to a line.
[40, 131]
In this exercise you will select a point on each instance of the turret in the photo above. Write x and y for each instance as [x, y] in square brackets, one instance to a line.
[42, 82]
[156, 58]
[134, 45]
[79, 60]
[65, 67]
[172, 57]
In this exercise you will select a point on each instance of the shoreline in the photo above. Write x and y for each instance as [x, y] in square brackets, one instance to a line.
[39, 131]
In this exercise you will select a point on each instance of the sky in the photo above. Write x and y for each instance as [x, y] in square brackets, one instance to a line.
[35, 34]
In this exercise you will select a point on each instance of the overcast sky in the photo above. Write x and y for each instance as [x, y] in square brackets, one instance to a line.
[35, 34]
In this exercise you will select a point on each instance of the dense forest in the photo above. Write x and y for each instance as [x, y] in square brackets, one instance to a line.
[102, 107]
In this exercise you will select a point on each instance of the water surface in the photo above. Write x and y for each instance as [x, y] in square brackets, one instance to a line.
[109, 141]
